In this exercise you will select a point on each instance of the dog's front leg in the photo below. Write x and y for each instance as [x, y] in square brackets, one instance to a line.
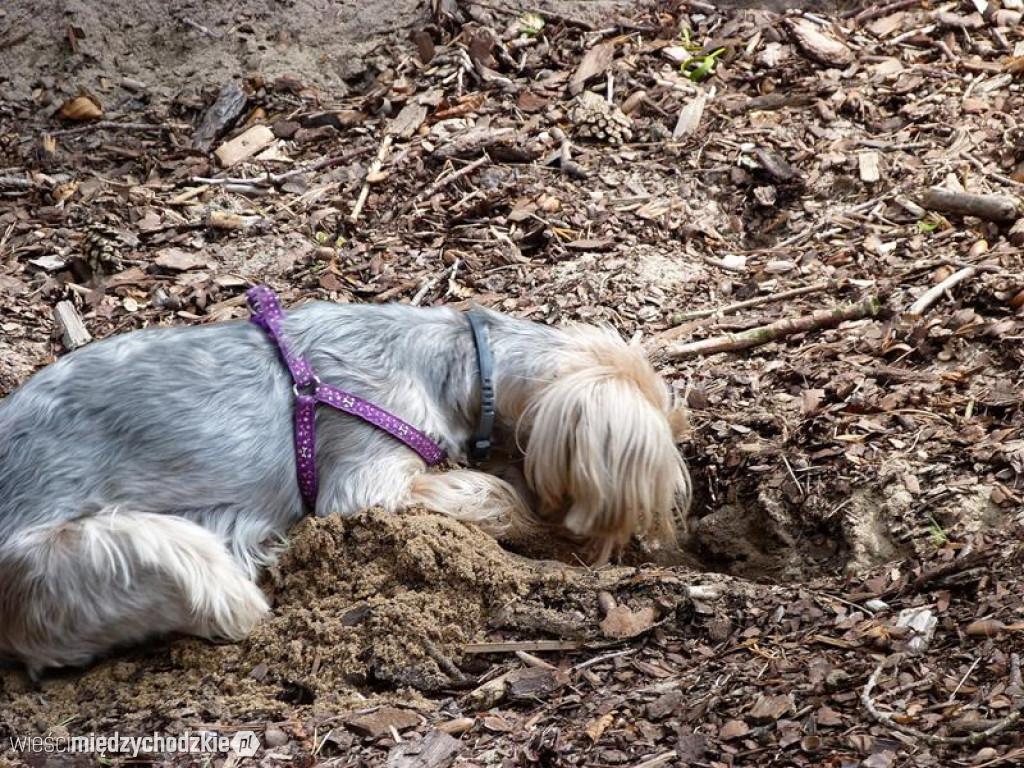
[474, 497]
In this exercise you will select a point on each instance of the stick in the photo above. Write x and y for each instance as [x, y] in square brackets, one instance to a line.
[823, 318]
[452, 177]
[886, 720]
[200, 28]
[374, 169]
[275, 178]
[877, 11]
[116, 126]
[1001, 208]
[729, 309]
[933, 294]
[16, 182]
[526, 645]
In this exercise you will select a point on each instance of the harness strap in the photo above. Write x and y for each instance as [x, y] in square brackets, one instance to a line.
[310, 391]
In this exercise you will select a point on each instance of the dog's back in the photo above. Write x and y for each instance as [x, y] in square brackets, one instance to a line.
[137, 418]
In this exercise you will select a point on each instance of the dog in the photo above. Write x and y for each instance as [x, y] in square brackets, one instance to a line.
[145, 479]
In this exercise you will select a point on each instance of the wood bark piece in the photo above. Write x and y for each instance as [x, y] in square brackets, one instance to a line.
[221, 115]
[868, 166]
[245, 146]
[408, 120]
[594, 63]
[818, 45]
[435, 750]
[1000, 208]
[73, 333]
[732, 342]
[380, 722]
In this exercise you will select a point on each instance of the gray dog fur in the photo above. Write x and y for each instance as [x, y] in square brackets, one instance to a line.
[144, 479]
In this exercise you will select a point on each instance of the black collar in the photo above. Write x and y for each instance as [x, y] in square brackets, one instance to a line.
[480, 442]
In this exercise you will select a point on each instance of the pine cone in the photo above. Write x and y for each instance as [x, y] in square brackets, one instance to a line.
[600, 120]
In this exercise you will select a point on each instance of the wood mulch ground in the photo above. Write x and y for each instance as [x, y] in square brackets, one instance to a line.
[681, 174]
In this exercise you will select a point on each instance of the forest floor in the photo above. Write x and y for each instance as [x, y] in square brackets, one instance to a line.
[853, 590]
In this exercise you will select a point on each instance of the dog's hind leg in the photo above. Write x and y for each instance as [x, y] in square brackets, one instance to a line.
[475, 497]
[71, 591]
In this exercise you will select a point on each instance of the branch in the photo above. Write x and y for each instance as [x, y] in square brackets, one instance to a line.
[886, 720]
[991, 207]
[933, 294]
[823, 318]
[729, 309]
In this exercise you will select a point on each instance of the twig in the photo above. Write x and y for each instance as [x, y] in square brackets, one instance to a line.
[868, 703]
[113, 125]
[963, 680]
[445, 664]
[877, 11]
[276, 178]
[824, 318]
[524, 645]
[374, 169]
[605, 657]
[424, 288]
[729, 309]
[16, 182]
[200, 28]
[452, 177]
[933, 294]
[1001, 208]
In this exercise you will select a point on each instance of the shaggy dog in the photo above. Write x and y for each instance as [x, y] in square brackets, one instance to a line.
[146, 478]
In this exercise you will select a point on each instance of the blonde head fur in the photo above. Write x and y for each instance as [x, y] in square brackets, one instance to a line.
[601, 445]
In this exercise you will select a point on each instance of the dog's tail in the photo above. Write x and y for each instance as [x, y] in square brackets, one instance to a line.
[73, 590]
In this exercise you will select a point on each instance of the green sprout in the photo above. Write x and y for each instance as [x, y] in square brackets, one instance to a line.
[701, 67]
[531, 24]
[938, 535]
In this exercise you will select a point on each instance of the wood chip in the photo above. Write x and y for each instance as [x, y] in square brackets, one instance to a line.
[771, 708]
[70, 326]
[221, 115]
[178, 260]
[594, 63]
[532, 683]
[818, 45]
[690, 116]
[435, 750]
[621, 622]
[408, 120]
[868, 166]
[244, 146]
[380, 722]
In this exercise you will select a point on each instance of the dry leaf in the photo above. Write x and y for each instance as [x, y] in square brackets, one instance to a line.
[82, 108]
[621, 622]
[596, 728]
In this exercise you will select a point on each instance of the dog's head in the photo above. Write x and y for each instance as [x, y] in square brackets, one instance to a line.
[600, 446]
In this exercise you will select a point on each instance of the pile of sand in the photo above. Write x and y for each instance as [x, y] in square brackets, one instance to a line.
[360, 605]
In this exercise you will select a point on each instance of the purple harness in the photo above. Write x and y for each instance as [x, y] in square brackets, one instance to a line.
[309, 391]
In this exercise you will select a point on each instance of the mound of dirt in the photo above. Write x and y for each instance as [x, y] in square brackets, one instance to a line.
[376, 601]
